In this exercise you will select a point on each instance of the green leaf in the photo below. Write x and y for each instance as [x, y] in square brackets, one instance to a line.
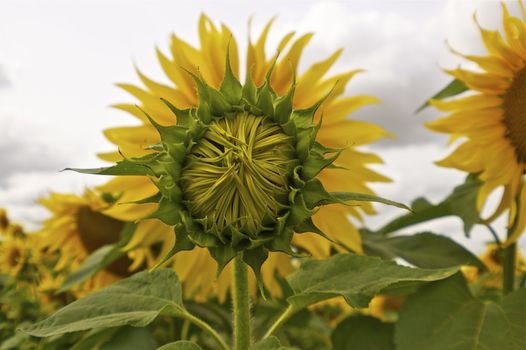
[131, 338]
[270, 343]
[454, 88]
[363, 332]
[99, 259]
[135, 301]
[426, 250]
[181, 345]
[362, 197]
[94, 339]
[461, 202]
[445, 315]
[357, 278]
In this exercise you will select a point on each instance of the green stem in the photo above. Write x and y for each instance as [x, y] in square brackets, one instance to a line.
[285, 315]
[241, 304]
[206, 327]
[508, 268]
[509, 257]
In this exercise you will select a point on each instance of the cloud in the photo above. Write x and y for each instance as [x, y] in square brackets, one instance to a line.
[4, 81]
[402, 52]
[20, 152]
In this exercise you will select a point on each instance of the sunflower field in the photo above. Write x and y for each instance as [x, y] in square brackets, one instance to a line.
[242, 203]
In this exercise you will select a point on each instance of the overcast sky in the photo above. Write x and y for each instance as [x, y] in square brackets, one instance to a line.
[59, 61]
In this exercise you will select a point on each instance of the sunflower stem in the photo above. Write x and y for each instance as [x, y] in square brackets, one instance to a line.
[241, 304]
[508, 268]
[509, 255]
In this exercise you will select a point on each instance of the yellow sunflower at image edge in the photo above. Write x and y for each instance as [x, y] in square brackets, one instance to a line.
[492, 119]
[238, 120]
[76, 228]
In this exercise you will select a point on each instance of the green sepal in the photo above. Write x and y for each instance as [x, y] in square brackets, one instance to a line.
[167, 212]
[316, 162]
[249, 91]
[124, 167]
[265, 99]
[196, 234]
[304, 140]
[255, 259]
[222, 255]
[343, 197]
[231, 87]
[183, 117]
[282, 243]
[308, 226]
[238, 237]
[181, 243]
[173, 137]
[315, 194]
[298, 211]
[283, 106]
[219, 105]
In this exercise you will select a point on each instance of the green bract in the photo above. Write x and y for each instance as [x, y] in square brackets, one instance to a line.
[237, 174]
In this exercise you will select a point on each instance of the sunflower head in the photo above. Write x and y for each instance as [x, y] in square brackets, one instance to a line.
[237, 173]
[491, 119]
[77, 227]
[13, 255]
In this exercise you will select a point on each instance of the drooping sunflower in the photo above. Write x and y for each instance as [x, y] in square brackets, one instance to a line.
[349, 172]
[76, 228]
[492, 119]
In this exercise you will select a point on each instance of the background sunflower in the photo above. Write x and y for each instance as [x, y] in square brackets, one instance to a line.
[491, 120]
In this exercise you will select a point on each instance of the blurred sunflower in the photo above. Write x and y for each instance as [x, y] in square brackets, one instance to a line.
[350, 173]
[13, 255]
[493, 119]
[77, 227]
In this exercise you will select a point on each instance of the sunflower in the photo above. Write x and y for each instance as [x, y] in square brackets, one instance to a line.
[349, 172]
[14, 253]
[491, 120]
[77, 227]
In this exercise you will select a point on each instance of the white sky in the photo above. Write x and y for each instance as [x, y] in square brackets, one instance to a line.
[59, 61]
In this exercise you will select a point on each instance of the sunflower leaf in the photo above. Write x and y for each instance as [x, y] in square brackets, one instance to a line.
[446, 315]
[134, 301]
[363, 332]
[426, 250]
[357, 278]
[454, 88]
[181, 345]
[461, 202]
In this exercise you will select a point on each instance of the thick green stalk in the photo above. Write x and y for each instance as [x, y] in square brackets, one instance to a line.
[508, 268]
[509, 257]
[241, 304]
